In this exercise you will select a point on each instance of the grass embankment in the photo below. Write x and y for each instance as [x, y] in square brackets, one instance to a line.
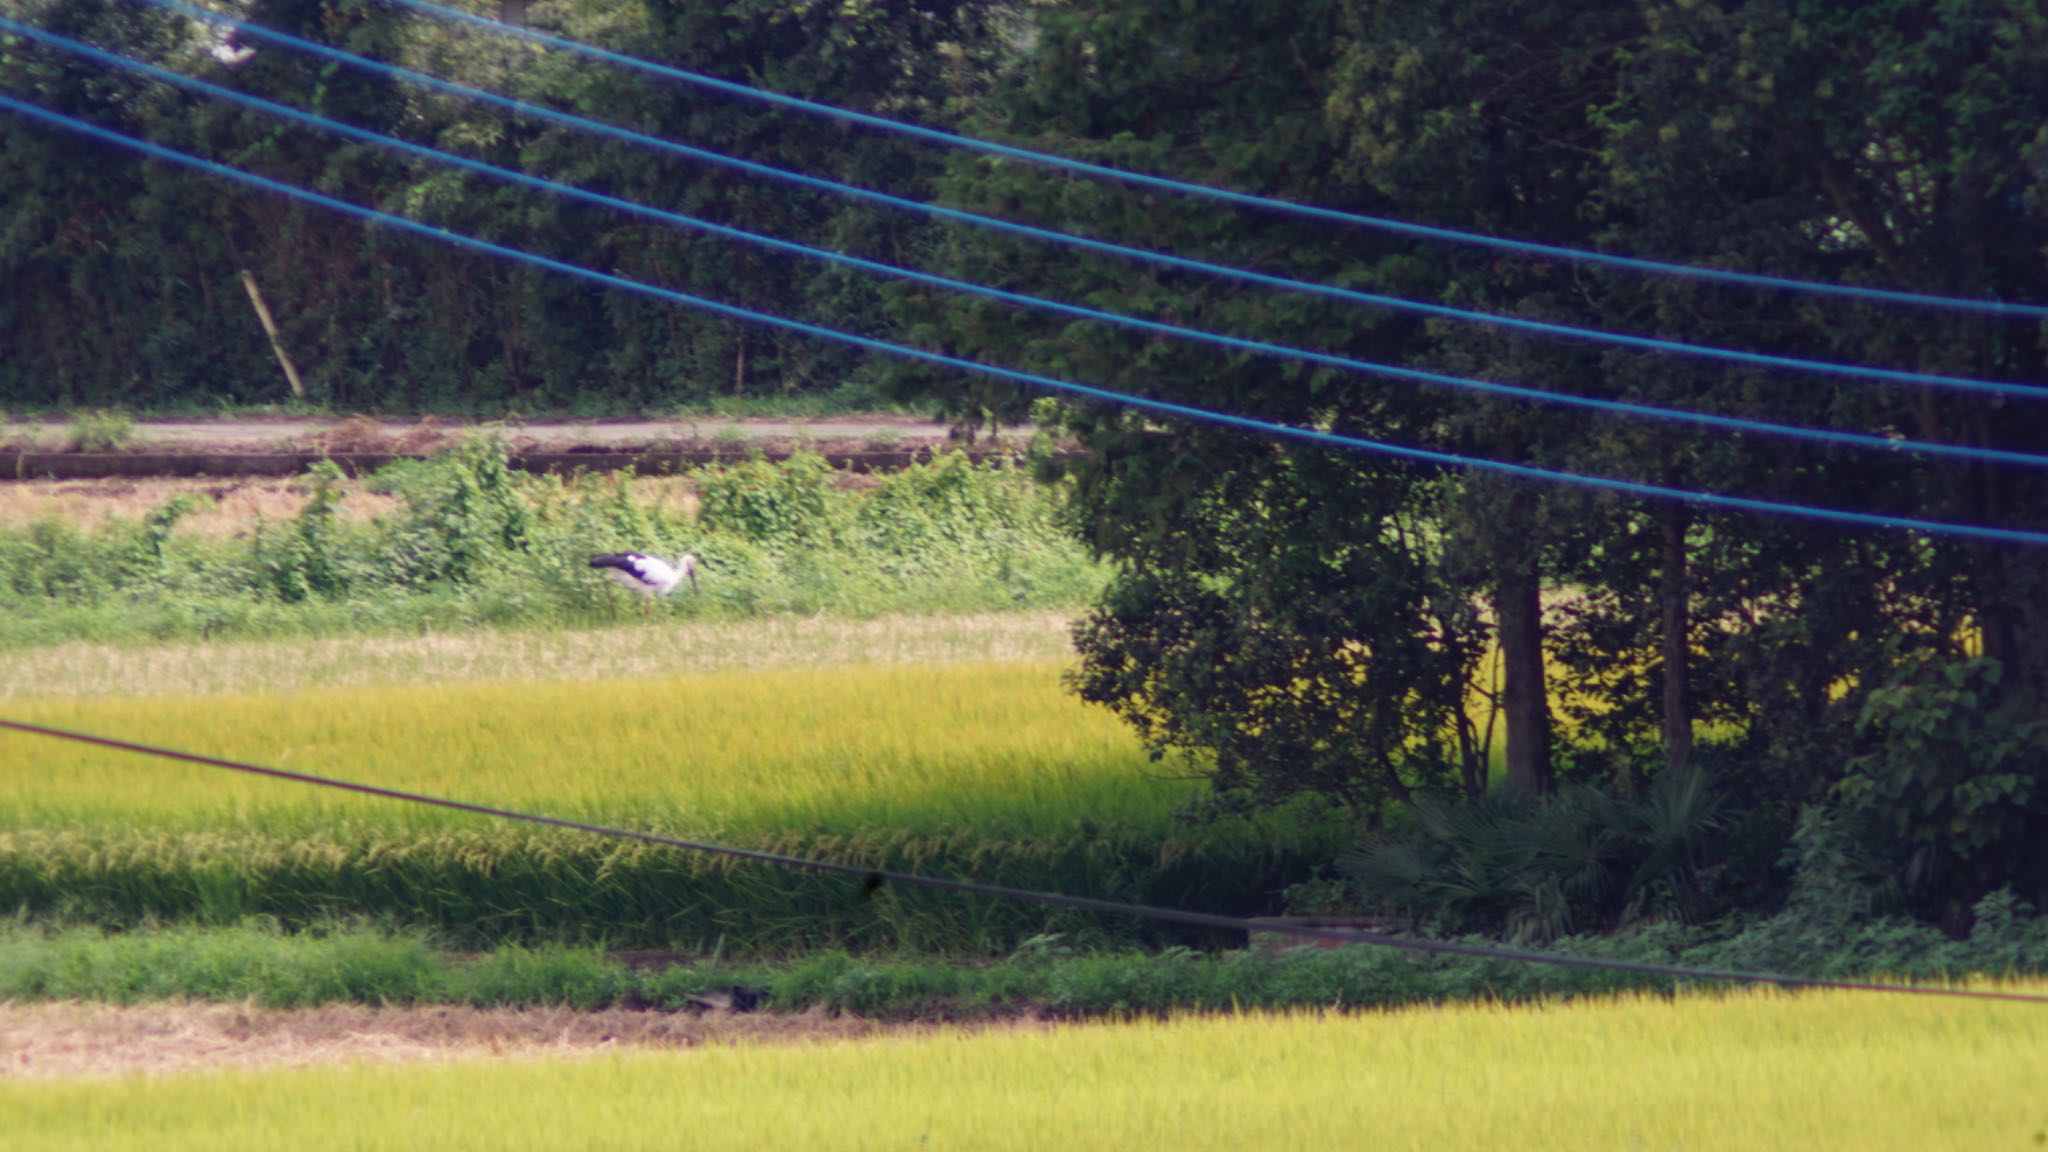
[1744, 1070]
[338, 964]
[982, 771]
[341, 963]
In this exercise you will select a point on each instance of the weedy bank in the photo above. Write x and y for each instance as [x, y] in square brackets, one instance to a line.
[1740, 1070]
[989, 772]
[461, 541]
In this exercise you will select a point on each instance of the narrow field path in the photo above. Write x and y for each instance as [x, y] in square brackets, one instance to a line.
[73, 1040]
[268, 434]
[626, 652]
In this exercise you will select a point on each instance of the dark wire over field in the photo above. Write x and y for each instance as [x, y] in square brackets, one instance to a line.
[872, 879]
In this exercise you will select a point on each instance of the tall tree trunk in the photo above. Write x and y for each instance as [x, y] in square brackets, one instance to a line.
[2012, 598]
[1674, 591]
[1525, 702]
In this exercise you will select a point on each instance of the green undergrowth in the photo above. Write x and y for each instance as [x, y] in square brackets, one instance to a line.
[256, 962]
[472, 544]
[486, 888]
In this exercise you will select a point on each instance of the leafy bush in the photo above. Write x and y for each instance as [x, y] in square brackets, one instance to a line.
[787, 505]
[305, 563]
[1577, 860]
[102, 430]
[1950, 794]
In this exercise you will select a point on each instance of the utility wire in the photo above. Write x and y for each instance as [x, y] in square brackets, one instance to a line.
[1370, 299]
[1645, 411]
[1240, 199]
[875, 876]
[1051, 383]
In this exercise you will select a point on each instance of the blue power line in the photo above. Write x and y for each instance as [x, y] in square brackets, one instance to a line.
[1241, 199]
[1731, 423]
[1645, 343]
[1051, 383]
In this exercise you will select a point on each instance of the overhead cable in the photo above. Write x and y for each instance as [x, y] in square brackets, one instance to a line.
[1050, 383]
[874, 877]
[1240, 199]
[1623, 408]
[1122, 251]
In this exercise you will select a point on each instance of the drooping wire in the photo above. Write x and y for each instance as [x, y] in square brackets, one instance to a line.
[1240, 199]
[1623, 408]
[1122, 251]
[1051, 383]
[877, 876]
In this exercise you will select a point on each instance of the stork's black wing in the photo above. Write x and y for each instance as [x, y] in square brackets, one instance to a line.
[631, 563]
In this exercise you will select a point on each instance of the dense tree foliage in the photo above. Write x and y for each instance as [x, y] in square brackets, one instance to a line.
[1325, 624]
[125, 280]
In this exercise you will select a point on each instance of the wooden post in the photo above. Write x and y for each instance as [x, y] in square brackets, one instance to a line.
[291, 371]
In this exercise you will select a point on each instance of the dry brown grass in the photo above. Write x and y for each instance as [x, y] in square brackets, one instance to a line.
[234, 506]
[71, 1040]
[367, 434]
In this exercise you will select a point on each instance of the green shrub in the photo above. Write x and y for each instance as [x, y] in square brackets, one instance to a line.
[101, 430]
[780, 505]
[1950, 794]
[1578, 860]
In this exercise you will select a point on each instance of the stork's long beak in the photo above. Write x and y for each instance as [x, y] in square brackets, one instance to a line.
[693, 578]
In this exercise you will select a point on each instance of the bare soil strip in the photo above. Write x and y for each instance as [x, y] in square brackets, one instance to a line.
[70, 1040]
[366, 434]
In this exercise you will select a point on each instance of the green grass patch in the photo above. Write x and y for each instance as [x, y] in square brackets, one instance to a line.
[339, 962]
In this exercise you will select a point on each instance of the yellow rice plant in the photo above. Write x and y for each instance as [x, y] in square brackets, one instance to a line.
[998, 748]
[982, 771]
[1744, 1070]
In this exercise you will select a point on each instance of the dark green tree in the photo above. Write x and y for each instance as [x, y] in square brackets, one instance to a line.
[379, 320]
[1894, 144]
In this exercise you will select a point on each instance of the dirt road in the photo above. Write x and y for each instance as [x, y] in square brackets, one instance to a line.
[258, 435]
[65, 1040]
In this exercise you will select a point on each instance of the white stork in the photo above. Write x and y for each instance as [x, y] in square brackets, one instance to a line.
[645, 574]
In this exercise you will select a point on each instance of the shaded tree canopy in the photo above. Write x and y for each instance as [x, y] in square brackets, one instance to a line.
[1344, 626]
[124, 278]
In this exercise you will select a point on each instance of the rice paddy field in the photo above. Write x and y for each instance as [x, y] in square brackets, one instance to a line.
[973, 768]
[944, 745]
[1740, 1070]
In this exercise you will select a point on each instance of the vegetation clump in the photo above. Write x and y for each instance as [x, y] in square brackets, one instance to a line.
[472, 543]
